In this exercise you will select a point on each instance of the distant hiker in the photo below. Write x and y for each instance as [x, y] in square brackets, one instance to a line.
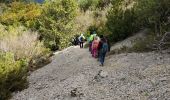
[109, 46]
[81, 40]
[94, 34]
[95, 44]
[100, 45]
[91, 38]
[103, 51]
[74, 40]
[77, 40]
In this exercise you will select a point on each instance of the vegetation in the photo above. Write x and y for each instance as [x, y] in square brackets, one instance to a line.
[29, 31]
[56, 24]
[12, 74]
[17, 13]
[128, 17]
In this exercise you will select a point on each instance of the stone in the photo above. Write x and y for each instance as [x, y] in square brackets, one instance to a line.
[103, 74]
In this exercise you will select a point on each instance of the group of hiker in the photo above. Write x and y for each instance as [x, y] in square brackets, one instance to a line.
[98, 46]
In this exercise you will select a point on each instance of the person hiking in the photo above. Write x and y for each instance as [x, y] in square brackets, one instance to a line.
[81, 40]
[95, 44]
[103, 51]
[77, 40]
[109, 46]
[91, 38]
[100, 38]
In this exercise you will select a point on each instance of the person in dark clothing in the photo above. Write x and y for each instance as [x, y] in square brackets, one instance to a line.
[81, 40]
[77, 40]
[103, 51]
[81, 43]
[109, 46]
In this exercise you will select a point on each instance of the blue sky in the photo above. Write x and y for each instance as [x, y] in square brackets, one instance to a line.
[39, 1]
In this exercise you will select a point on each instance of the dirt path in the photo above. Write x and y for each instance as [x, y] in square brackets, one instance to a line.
[70, 69]
[143, 76]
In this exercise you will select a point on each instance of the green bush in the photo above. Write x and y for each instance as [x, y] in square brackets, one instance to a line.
[122, 23]
[20, 13]
[127, 17]
[56, 25]
[144, 45]
[88, 4]
[12, 74]
[103, 3]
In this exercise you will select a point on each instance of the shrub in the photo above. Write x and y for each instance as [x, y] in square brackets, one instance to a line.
[84, 20]
[20, 12]
[144, 45]
[103, 3]
[12, 74]
[24, 44]
[87, 4]
[127, 17]
[121, 22]
[56, 25]
[96, 22]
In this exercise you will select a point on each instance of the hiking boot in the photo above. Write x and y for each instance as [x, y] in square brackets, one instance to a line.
[101, 65]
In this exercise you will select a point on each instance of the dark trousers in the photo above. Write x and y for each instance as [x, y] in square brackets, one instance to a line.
[81, 44]
[90, 46]
[102, 57]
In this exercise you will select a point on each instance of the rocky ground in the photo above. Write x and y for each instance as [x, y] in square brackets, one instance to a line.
[75, 75]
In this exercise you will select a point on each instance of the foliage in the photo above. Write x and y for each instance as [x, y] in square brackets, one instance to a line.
[103, 3]
[88, 4]
[12, 74]
[20, 12]
[23, 43]
[127, 17]
[120, 22]
[144, 45]
[157, 14]
[84, 20]
[56, 25]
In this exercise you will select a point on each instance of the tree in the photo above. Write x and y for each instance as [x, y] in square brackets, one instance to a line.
[57, 23]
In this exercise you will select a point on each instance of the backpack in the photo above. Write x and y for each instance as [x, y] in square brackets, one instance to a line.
[81, 39]
[95, 44]
[104, 47]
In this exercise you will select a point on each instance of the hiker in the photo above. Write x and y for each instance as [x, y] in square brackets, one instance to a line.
[91, 38]
[99, 45]
[74, 41]
[94, 34]
[81, 40]
[95, 44]
[103, 50]
[108, 44]
[77, 40]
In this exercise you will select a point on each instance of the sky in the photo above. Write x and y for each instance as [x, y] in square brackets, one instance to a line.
[39, 1]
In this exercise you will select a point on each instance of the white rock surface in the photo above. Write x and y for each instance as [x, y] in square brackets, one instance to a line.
[103, 74]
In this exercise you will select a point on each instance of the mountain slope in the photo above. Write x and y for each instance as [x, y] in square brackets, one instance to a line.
[73, 72]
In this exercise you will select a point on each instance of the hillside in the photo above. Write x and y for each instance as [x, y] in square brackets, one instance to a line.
[32, 30]
[132, 76]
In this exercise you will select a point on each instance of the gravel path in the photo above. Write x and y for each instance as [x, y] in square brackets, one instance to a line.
[75, 75]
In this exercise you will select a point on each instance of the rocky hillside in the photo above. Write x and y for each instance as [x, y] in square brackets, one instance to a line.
[75, 75]
[129, 42]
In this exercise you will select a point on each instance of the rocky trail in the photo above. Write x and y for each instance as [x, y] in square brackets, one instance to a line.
[75, 75]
